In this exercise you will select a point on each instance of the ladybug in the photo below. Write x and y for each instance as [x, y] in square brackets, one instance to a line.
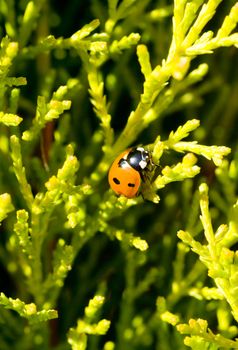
[129, 170]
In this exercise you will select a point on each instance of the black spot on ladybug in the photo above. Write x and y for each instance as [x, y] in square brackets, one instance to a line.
[131, 185]
[116, 181]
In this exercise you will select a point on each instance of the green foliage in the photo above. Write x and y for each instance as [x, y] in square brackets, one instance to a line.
[46, 113]
[216, 255]
[77, 337]
[80, 84]
[28, 311]
[6, 205]
[201, 337]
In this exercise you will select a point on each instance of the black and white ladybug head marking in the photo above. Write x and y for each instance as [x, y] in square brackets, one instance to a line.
[138, 158]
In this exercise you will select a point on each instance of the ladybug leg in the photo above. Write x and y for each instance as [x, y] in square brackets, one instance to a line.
[142, 177]
[146, 175]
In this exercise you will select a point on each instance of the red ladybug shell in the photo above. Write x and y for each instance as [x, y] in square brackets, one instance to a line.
[124, 180]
